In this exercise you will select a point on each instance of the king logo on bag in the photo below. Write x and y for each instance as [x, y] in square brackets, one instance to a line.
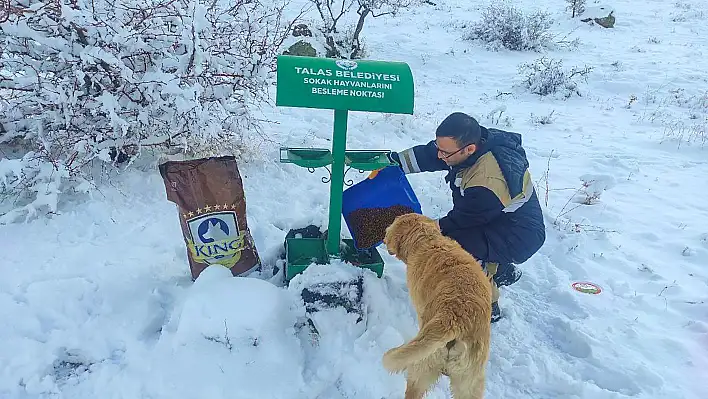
[215, 238]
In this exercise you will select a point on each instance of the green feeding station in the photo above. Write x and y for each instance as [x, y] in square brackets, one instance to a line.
[343, 86]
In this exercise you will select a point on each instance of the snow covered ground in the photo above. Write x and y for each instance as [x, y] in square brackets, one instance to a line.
[97, 301]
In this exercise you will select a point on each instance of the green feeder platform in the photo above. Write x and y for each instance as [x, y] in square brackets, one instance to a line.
[342, 86]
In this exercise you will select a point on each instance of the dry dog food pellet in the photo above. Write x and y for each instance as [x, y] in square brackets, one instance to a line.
[369, 224]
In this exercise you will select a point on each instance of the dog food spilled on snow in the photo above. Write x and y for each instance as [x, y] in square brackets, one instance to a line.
[369, 224]
[209, 196]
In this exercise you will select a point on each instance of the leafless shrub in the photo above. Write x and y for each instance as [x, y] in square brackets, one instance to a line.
[546, 76]
[343, 39]
[504, 26]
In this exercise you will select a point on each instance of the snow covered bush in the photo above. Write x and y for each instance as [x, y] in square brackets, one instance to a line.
[496, 117]
[546, 76]
[593, 187]
[342, 29]
[687, 11]
[692, 132]
[505, 26]
[542, 119]
[681, 112]
[85, 81]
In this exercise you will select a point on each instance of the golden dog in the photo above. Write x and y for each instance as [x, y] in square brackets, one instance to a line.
[452, 298]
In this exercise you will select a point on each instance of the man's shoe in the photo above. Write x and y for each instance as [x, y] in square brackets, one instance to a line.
[507, 274]
[496, 312]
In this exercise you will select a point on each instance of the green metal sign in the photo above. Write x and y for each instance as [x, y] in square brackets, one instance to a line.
[362, 85]
[342, 86]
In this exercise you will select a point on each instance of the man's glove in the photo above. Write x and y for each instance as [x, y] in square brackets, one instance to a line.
[391, 158]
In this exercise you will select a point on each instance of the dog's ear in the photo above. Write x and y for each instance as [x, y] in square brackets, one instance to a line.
[391, 239]
[395, 234]
[400, 235]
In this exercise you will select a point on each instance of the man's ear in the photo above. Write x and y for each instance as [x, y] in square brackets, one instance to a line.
[470, 149]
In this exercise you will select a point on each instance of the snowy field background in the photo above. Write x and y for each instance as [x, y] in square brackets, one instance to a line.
[97, 301]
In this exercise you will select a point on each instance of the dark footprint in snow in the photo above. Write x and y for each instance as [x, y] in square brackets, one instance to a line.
[70, 363]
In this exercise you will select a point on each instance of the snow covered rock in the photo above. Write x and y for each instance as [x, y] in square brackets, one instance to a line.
[250, 309]
[601, 15]
[301, 30]
[240, 327]
[336, 285]
[305, 42]
[301, 48]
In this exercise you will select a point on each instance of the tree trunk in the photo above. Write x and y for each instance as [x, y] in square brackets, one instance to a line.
[356, 45]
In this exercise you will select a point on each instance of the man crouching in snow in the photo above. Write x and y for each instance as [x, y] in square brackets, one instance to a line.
[496, 215]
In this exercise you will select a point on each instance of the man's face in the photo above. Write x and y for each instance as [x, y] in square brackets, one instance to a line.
[451, 153]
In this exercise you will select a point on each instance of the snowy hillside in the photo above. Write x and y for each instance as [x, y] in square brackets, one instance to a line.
[97, 300]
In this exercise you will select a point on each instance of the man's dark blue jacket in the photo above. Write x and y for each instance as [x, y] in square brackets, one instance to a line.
[496, 215]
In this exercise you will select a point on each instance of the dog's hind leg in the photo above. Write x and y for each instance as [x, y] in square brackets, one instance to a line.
[467, 385]
[419, 380]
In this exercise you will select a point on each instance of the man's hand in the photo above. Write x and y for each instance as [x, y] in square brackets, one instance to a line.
[437, 223]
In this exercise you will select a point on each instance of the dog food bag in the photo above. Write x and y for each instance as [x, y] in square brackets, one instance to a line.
[209, 195]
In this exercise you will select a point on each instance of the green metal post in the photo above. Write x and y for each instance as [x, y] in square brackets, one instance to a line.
[336, 187]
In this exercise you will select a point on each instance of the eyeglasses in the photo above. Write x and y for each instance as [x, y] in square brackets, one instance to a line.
[447, 154]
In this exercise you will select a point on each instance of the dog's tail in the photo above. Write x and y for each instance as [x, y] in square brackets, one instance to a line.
[435, 334]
